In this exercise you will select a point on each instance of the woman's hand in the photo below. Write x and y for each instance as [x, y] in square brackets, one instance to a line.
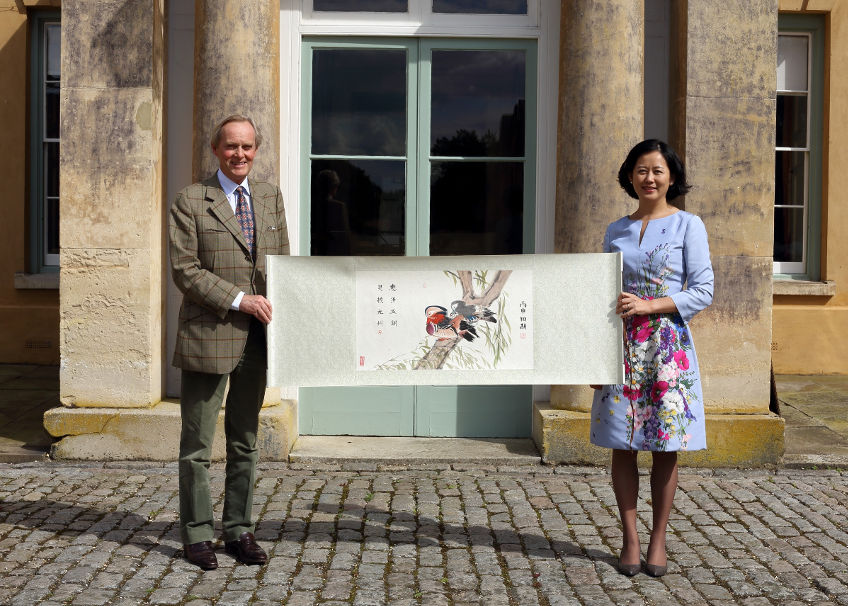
[629, 305]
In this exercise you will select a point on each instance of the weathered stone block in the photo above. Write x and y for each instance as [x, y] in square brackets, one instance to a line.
[108, 43]
[733, 336]
[572, 397]
[562, 436]
[110, 328]
[154, 433]
[109, 169]
[733, 176]
[732, 47]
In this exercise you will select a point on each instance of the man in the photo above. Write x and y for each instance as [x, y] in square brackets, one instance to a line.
[220, 231]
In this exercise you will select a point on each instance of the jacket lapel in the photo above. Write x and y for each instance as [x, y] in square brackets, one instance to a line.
[259, 210]
[220, 207]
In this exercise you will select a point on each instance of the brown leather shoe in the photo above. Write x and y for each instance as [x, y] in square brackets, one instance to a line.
[201, 554]
[246, 550]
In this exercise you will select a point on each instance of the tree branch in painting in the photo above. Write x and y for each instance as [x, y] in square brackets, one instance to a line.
[452, 336]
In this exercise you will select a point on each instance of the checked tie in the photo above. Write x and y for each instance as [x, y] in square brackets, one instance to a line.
[244, 217]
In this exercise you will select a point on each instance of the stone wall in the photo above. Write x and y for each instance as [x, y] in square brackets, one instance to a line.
[112, 202]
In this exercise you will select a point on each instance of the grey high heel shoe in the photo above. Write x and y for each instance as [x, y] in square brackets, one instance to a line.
[655, 571]
[629, 570]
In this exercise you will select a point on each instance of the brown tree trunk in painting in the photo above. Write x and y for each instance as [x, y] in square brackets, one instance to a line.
[438, 354]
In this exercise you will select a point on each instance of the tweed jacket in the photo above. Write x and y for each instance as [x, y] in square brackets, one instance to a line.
[211, 263]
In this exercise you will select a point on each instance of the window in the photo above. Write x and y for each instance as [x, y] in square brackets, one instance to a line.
[44, 142]
[420, 146]
[419, 136]
[798, 157]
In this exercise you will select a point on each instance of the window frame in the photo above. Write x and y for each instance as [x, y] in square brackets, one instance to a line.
[39, 260]
[418, 156]
[420, 20]
[809, 268]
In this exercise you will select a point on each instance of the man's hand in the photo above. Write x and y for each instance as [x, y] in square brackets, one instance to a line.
[258, 306]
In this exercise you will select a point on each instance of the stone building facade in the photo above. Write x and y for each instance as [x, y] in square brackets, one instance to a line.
[141, 86]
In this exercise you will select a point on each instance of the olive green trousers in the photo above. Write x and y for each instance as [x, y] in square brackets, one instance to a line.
[201, 397]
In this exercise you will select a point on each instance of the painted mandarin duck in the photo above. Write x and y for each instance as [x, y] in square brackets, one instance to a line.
[472, 313]
[459, 324]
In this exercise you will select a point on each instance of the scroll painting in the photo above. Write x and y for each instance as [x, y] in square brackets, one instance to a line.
[543, 319]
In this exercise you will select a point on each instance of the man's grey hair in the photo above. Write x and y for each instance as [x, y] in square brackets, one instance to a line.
[216, 134]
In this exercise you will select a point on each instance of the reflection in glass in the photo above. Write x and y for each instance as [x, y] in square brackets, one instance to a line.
[488, 7]
[789, 174]
[358, 6]
[476, 208]
[791, 121]
[51, 168]
[52, 244]
[478, 103]
[358, 207]
[359, 102]
[789, 234]
[53, 33]
[51, 110]
[792, 63]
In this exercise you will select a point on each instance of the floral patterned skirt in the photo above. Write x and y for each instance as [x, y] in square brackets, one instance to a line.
[660, 406]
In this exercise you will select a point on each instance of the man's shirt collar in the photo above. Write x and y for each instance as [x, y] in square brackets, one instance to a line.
[229, 186]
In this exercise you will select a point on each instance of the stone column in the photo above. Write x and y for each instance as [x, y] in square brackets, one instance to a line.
[601, 117]
[237, 71]
[111, 203]
[723, 108]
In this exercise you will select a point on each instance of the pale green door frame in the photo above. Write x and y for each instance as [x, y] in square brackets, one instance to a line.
[467, 411]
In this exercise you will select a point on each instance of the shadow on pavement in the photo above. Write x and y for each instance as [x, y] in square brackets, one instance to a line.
[161, 536]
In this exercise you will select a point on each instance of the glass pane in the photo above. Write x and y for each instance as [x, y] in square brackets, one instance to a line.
[789, 234]
[478, 103]
[489, 7]
[789, 178]
[359, 102]
[53, 35]
[51, 243]
[51, 111]
[358, 207]
[791, 121]
[476, 208]
[51, 169]
[358, 6]
[792, 62]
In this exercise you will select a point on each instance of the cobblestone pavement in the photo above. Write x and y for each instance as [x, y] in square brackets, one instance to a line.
[366, 534]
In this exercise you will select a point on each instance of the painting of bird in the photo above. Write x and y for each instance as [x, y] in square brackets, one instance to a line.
[459, 323]
[472, 313]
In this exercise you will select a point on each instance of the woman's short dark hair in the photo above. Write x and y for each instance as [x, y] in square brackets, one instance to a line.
[675, 166]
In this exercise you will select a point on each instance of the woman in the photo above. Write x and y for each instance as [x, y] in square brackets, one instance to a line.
[660, 406]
